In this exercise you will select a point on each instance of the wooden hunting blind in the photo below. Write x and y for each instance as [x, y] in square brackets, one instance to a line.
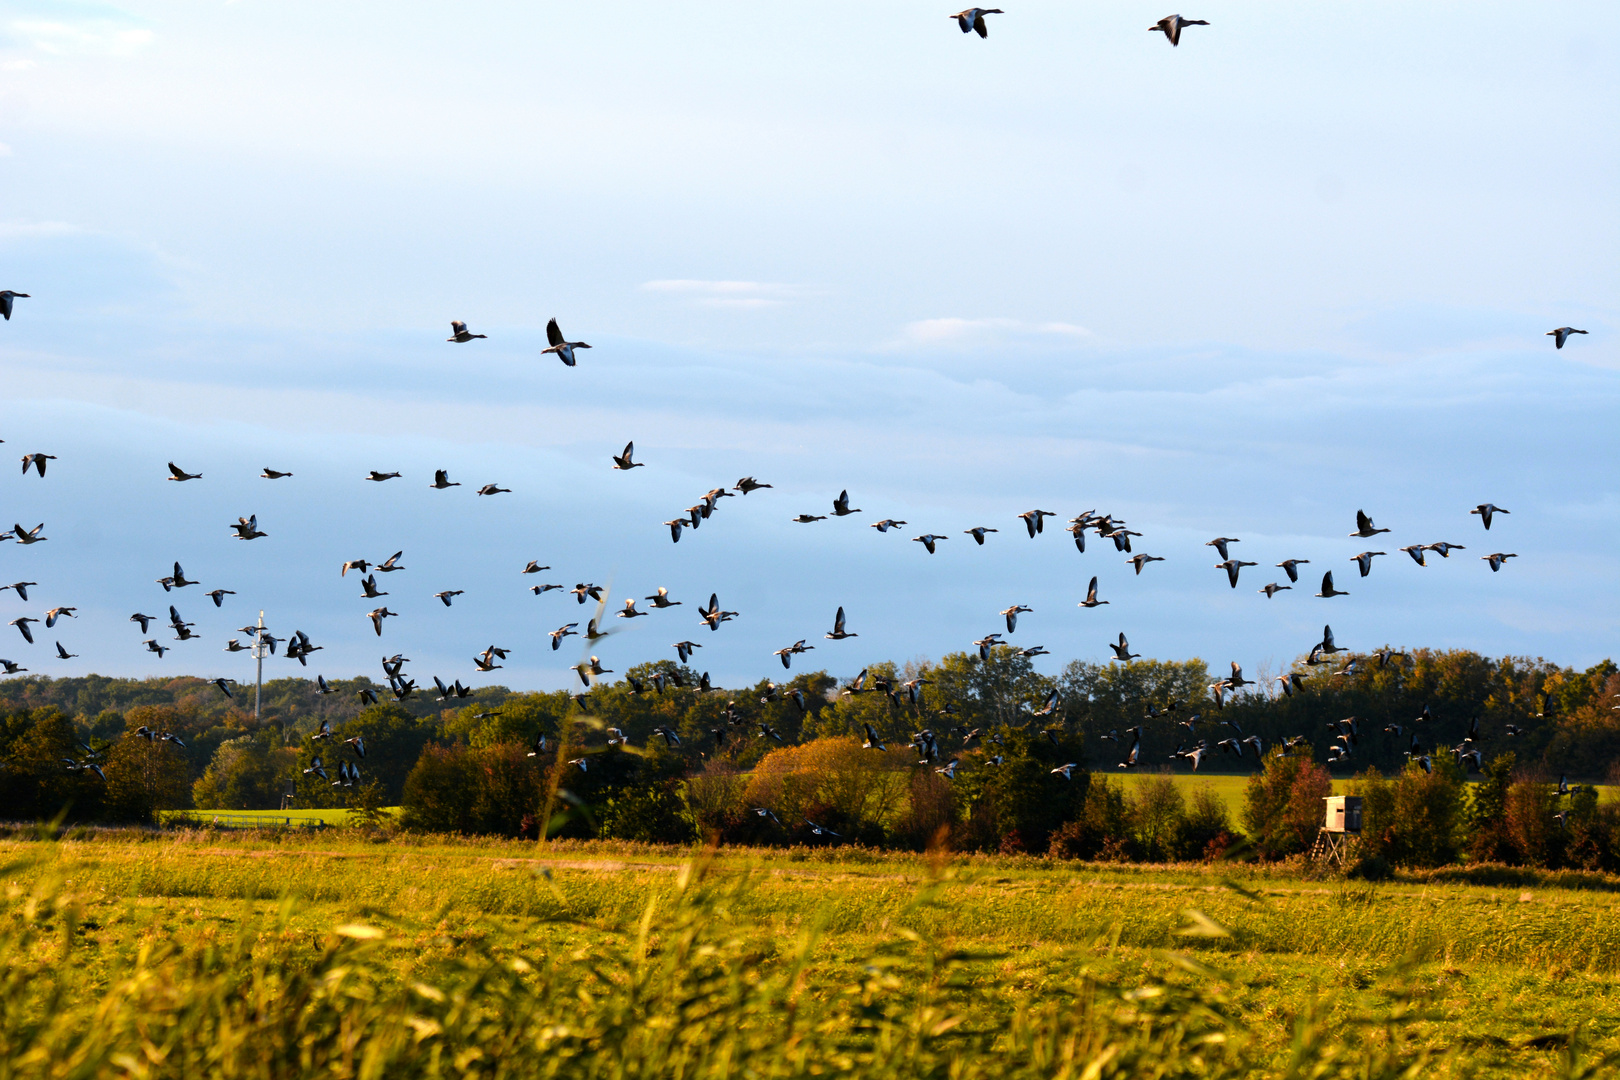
[1343, 814]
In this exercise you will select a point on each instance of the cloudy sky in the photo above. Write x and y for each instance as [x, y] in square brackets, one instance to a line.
[1300, 265]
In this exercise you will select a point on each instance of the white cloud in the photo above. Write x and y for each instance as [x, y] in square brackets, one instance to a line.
[955, 331]
[17, 65]
[5, 150]
[729, 294]
[87, 37]
[9, 229]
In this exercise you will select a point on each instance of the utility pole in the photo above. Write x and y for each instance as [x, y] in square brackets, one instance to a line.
[259, 651]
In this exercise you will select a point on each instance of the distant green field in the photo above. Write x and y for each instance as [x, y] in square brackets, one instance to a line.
[268, 817]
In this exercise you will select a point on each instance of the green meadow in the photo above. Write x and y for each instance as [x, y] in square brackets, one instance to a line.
[287, 953]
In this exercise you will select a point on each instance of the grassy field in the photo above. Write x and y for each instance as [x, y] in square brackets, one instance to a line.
[230, 953]
[233, 818]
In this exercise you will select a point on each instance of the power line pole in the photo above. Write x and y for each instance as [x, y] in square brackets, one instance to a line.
[259, 651]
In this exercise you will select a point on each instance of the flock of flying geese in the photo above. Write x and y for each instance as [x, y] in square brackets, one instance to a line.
[298, 646]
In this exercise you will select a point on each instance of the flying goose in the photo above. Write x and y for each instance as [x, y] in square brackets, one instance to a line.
[1444, 549]
[1364, 526]
[1078, 528]
[273, 474]
[560, 345]
[838, 631]
[63, 654]
[1273, 589]
[21, 623]
[805, 519]
[225, 686]
[1034, 520]
[1559, 335]
[153, 646]
[561, 632]
[56, 613]
[630, 611]
[886, 524]
[6, 297]
[1170, 26]
[623, 462]
[459, 334]
[1485, 510]
[1496, 559]
[441, 480]
[1237, 682]
[379, 477]
[978, 531]
[841, 504]
[361, 565]
[1416, 551]
[377, 616]
[1091, 600]
[247, 528]
[820, 830]
[1066, 770]
[1220, 542]
[322, 688]
[447, 595]
[1232, 567]
[493, 489]
[1140, 561]
[1011, 614]
[986, 643]
[1034, 651]
[29, 536]
[928, 540]
[1364, 560]
[748, 483]
[972, 19]
[683, 649]
[368, 586]
[1327, 645]
[12, 668]
[144, 620]
[1291, 568]
[37, 461]
[1122, 651]
[177, 473]
[872, 741]
[389, 565]
[1327, 586]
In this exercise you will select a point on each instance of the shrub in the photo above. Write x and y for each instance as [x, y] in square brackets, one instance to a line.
[1158, 814]
[833, 782]
[1414, 818]
[1283, 808]
[1102, 830]
[1206, 830]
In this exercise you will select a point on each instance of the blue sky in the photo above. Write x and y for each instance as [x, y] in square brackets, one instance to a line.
[1300, 265]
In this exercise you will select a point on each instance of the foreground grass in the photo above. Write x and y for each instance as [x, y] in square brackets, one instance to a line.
[576, 959]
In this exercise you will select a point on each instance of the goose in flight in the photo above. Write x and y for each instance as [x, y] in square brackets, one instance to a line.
[1237, 681]
[1327, 645]
[377, 616]
[1364, 560]
[561, 345]
[561, 632]
[369, 590]
[1497, 559]
[153, 646]
[986, 643]
[6, 297]
[235, 646]
[1364, 526]
[1416, 551]
[1559, 335]
[928, 540]
[63, 654]
[20, 586]
[793, 650]
[747, 484]
[459, 333]
[1327, 586]
[660, 599]
[248, 528]
[630, 611]
[177, 473]
[225, 686]
[1122, 651]
[543, 588]
[1232, 567]
[872, 741]
[841, 506]
[838, 631]
[37, 461]
[1444, 549]
[361, 565]
[886, 524]
[12, 667]
[486, 662]
[1273, 589]
[144, 620]
[1291, 568]
[389, 565]
[1065, 770]
[447, 595]
[56, 613]
[623, 462]
[1034, 520]
[977, 532]
[1091, 600]
[533, 567]
[1485, 510]
[379, 477]
[21, 623]
[493, 489]
[683, 649]
[218, 596]
[1011, 615]
[273, 474]
[441, 480]
[1078, 529]
[675, 528]
[29, 536]
[805, 519]
[1220, 542]
[1170, 26]
[970, 20]
[1140, 561]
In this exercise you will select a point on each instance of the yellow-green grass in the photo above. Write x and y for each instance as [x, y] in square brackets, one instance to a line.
[1494, 965]
[270, 818]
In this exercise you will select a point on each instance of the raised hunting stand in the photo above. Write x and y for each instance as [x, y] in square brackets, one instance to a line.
[1341, 830]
